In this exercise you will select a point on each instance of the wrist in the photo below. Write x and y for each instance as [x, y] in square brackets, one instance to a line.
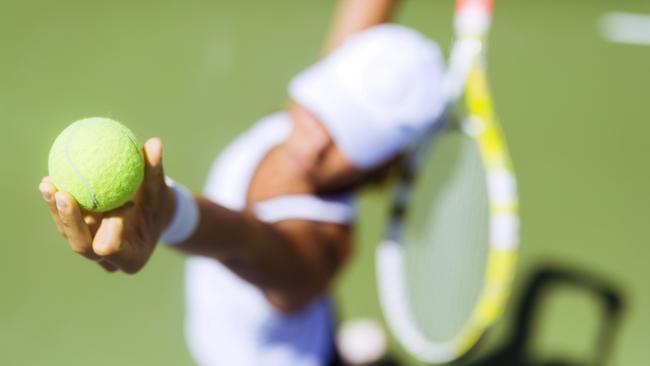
[168, 206]
[183, 214]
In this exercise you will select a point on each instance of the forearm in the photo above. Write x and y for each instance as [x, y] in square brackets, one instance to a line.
[353, 16]
[287, 264]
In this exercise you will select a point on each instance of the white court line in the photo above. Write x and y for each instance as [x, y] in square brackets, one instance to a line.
[629, 28]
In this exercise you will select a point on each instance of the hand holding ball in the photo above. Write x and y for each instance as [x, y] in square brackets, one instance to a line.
[99, 162]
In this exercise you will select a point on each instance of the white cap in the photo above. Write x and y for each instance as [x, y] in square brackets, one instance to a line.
[376, 92]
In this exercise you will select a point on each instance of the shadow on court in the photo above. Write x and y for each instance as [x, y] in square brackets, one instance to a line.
[542, 286]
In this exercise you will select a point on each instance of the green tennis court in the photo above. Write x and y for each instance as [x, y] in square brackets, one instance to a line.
[196, 73]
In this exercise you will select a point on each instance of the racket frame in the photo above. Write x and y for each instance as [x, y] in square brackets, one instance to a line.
[466, 76]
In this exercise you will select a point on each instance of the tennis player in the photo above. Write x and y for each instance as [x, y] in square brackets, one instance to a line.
[274, 225]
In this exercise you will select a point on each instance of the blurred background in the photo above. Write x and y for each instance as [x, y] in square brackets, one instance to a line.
[197, 73]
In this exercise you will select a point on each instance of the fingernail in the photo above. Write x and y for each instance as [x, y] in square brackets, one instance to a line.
[60, 203]
[47, 195]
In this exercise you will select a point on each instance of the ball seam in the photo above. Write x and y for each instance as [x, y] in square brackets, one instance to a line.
[81, 177]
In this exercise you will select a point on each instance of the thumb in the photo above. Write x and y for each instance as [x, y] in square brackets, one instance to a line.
[154, 196]
[153, 173]
[154, 176]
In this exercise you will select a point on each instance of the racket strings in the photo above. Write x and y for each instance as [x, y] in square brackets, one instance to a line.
[447, 244]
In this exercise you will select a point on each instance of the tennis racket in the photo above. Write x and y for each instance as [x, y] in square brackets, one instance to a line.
[447, 261]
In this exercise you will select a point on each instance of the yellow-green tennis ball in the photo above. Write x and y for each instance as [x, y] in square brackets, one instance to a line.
[99, 162]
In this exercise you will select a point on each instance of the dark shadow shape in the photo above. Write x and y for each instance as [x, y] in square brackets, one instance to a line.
[516, 350]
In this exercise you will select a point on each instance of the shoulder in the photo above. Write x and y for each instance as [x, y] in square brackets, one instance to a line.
[233, 168]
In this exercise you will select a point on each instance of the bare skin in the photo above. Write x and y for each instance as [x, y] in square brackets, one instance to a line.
[353, 16]
[122, 239]
[292, 261]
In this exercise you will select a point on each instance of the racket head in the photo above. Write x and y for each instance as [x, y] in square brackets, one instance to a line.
[446, 270]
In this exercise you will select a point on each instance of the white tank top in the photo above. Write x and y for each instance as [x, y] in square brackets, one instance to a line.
[228, 320]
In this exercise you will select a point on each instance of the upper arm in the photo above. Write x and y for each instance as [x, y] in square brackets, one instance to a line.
[323, 248]
[353, 16]
[325, 245]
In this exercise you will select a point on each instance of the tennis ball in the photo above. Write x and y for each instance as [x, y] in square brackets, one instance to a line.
[99, 162]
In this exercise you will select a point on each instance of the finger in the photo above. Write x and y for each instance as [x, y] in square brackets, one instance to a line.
[93, 220]
[153, 150]
[149, 198]
[154, 176]
[115, 237]
[48, 190]
[108, 267]
[75, 228]
[109, 239]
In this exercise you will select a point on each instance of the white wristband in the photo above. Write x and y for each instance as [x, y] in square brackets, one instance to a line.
[185, 218]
